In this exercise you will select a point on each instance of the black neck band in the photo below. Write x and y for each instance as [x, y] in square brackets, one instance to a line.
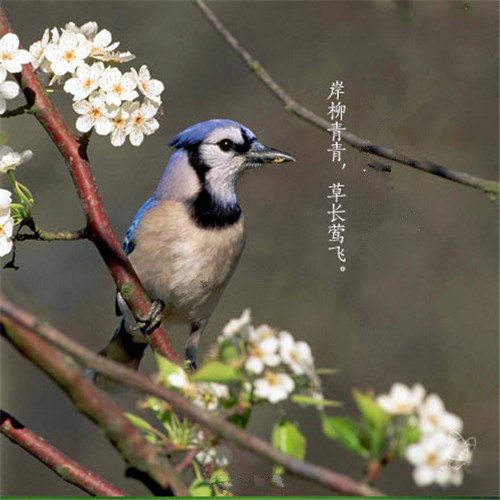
[206, 210]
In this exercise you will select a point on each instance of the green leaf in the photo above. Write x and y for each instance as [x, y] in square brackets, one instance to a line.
[219, 476]
[228, 351]
[200, 488]
[151, 438]
[287, 438]
[375, 421]
[215, 371]
[373, 439]
[345, 431]
[140, 423]
[166, 367]
[150, 433]
[308, 400]
[372, 414]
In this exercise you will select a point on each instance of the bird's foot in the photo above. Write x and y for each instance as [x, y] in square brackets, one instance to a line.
[152, 320]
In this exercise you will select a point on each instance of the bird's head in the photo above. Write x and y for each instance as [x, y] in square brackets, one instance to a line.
[220, 150]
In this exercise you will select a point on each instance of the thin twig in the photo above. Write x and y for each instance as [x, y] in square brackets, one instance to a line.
[21, 110]
[58, 462]
[19, 320]
[99, 227]
[39, 234]
[144, 459]
[364, 145]
[186, 461]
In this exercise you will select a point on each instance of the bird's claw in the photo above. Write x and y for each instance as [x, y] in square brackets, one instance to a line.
[152, 320]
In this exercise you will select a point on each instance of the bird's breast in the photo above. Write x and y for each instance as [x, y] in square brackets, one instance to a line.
[183, 264]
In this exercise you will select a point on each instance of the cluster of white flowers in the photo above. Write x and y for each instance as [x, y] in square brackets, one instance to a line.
[104, 97]
[218, 455]
[441, 453]
[9, 160]
[204, 394]
[11, 60]
[268, 355]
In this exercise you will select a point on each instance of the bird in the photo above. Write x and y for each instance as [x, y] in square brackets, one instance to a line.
[186, 240]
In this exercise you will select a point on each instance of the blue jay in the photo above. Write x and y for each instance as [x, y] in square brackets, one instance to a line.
[187, 238]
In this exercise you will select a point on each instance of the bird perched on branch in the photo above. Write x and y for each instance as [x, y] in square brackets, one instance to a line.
[187, 238]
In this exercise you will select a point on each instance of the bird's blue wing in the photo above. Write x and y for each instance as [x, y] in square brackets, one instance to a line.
[129, 242]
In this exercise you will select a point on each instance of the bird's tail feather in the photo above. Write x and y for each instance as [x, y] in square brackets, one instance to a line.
[123, 349]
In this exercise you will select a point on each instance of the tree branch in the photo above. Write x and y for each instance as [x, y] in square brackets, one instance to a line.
[58, 462]
[22, 328]
[20, 110]
[146, 463]
[364, 145]
[99, 228]
[39, 234]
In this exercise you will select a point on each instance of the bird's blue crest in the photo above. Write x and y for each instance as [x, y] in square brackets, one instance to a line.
[198, 132]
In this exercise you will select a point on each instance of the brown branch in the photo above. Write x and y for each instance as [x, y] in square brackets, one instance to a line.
[21, 110]
[364, 145]
[21, 321]
[58, 462]
[144, 459]
[99, 228]
[40, 234]
[186, 461]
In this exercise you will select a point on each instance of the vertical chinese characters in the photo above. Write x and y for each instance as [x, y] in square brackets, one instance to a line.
[337, 213]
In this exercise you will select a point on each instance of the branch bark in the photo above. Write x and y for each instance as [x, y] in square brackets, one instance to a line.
[363, 145]
[58, 462]
[40, 234]
[145, 462]
[99, 229]
[24, 325]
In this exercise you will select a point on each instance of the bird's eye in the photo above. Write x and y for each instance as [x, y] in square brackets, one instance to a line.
[225, 144]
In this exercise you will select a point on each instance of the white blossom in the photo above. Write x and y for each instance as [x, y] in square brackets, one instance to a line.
[261, 333]
[141, 122]
[208, 395]
[101, 45]
[10, 159]
[69, 52]
[37, 49]
[430, 458]
[238, 326]
[5, 201]
[8, 90]
[85, 81]
[263, 354]
[94, 113]
[297, 355]
[117, 57]
[6, 223]
[118, 87]
[147, 86]
[11, 56]
[89, 29]
[178, 380]
[274, 387]
[434, 417]
[402, 400]
[119, 122]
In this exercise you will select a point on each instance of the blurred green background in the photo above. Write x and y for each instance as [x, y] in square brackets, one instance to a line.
[419, 299]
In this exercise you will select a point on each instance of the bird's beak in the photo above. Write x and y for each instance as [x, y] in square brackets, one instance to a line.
[258, 153]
